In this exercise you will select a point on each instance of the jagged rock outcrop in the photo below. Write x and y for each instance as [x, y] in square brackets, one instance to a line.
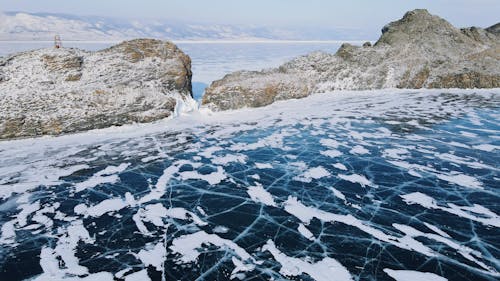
[55, 91]
[418, 51]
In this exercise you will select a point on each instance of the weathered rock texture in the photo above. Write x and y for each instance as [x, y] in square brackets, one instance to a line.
[55, 91]
[418, 51]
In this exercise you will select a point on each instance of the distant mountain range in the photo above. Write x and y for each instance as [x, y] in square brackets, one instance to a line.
[43, 26]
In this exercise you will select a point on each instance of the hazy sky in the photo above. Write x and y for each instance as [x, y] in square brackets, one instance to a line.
[364, 14]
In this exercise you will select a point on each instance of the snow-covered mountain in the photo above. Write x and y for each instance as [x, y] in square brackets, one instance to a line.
[43, 26]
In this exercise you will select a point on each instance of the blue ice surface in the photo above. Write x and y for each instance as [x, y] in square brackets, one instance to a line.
[291, 149]
[199, 90]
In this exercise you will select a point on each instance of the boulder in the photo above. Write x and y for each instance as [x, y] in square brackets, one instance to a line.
[255, 89]
[56, 91]
[418, 51]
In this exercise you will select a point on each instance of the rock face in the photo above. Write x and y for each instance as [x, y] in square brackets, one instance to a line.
[55, 91]
[418, 51]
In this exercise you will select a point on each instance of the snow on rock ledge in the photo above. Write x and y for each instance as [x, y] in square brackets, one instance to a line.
[56, 91]
[418, 51]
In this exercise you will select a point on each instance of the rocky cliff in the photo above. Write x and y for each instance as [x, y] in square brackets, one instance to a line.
[418, 51]
[55, 91]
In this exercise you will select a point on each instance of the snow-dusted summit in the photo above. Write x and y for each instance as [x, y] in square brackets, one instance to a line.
[418, 51]
[55, 91]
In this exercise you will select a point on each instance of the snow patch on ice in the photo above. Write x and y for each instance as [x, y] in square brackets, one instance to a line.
[396, 153]
[486, 147]
[355, 178]
[212, 178]
[260, 195]
[154, 213]
[358, 149]
[108, 175]
[437, 230]
[411, 275]
[322, 270]
[340, 166]
[462, 180]
[330, 143]
[225, 160]
[487, 217]
[41, 173]
[338, 194]
[263, 166]
[106, 206]
[333, 153]
[153, 255]
[187, 246]
[65, 250]
[305, 232]
[313, 173]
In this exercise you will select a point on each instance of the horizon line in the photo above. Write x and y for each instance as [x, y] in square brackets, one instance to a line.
[222, 41]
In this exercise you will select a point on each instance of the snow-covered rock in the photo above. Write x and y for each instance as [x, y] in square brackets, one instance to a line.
[418, 51]
[55, 91]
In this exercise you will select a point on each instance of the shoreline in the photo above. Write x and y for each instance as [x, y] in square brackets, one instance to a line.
[203, 116]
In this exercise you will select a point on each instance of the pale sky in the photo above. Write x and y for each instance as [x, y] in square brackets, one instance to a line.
[362, 14]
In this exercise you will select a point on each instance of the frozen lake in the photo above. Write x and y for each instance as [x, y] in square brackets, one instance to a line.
[375, 185]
